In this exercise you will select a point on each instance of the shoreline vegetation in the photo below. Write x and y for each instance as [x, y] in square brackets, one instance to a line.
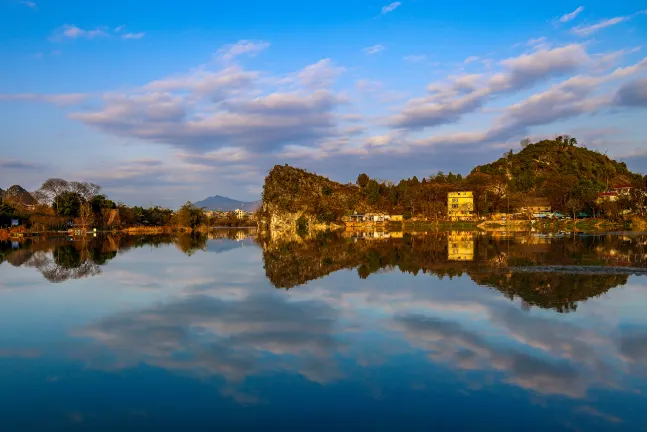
[80, 208]
[578, 184]
[547, 186]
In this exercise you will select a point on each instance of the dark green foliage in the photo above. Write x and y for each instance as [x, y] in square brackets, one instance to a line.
[100, 202]
[153, 216]
[362, 180]
[302, 226]
[326, 190]
[7, 212]
[67, 204]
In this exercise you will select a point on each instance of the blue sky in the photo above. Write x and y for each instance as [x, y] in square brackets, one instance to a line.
[166, 102]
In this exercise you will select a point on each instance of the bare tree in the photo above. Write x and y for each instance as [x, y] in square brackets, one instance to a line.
[51, 188]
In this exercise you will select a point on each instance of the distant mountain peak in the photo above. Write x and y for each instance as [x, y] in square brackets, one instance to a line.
[219, 202]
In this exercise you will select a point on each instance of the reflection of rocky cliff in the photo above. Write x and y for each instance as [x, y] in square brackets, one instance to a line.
[491, 262]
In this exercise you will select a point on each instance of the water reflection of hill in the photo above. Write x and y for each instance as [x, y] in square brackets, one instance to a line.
[488, 260]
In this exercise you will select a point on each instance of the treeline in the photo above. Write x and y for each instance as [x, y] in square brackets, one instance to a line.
[61, 204]
[568, 177]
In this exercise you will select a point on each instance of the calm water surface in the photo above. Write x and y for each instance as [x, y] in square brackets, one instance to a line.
[448, 331]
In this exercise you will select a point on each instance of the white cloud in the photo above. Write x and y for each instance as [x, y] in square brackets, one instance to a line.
[471, 59]
[374, 49]
[320, 74]
[449, 101]
[571, 16]
[70, 31]
[586, 30]
[230, 52]
[133, 35]
[390, 7]
[29, 4]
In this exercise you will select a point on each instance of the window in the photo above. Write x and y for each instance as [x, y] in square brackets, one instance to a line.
[454, 205]
[455, 200]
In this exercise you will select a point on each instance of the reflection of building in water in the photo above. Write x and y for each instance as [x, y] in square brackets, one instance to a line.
[460, 205]
[373, 235]
[460, 246]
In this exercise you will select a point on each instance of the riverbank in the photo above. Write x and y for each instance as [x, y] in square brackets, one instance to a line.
[20, 232]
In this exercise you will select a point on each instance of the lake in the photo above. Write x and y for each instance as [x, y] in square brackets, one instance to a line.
[439, 331]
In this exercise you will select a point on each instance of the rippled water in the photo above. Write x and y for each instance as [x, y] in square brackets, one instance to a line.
[448, 331]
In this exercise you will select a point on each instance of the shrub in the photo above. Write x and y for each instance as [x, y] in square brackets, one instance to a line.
[302, 226]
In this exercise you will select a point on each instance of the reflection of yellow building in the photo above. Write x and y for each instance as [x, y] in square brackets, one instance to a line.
[460, 205]
[460, 246]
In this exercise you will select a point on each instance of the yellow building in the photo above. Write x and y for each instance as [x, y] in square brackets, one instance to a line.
[460, 205]
[460, 246]
[396, 218]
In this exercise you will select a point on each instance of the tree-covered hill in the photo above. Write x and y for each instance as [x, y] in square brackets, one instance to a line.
[568, 176]
[294, 190]
[530, 169]
[18, 194]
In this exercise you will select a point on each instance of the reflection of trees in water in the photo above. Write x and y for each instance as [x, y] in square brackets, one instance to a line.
[557, 291]
[59, 259]
[191, 243]
[294, 263]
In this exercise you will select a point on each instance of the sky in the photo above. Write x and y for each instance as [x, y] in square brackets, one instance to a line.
[164, 102]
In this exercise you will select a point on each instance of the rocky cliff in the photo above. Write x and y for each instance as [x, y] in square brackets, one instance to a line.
[296, 200]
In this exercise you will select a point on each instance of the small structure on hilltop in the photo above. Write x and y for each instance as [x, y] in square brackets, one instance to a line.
[622, 189]
[607, 197]
[460, 205]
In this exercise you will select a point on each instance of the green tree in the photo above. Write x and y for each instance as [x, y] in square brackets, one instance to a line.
[190, 216]
[302, 226]
[67, 204]
[362, 180]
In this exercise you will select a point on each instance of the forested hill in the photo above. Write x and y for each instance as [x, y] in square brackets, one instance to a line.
[559, 171]
[293, 190]
[538, 164]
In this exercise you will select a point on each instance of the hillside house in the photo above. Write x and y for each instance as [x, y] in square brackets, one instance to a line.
[607, 197]
[536, 206]
[460, 205]
[622, 190]
[239, 214]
